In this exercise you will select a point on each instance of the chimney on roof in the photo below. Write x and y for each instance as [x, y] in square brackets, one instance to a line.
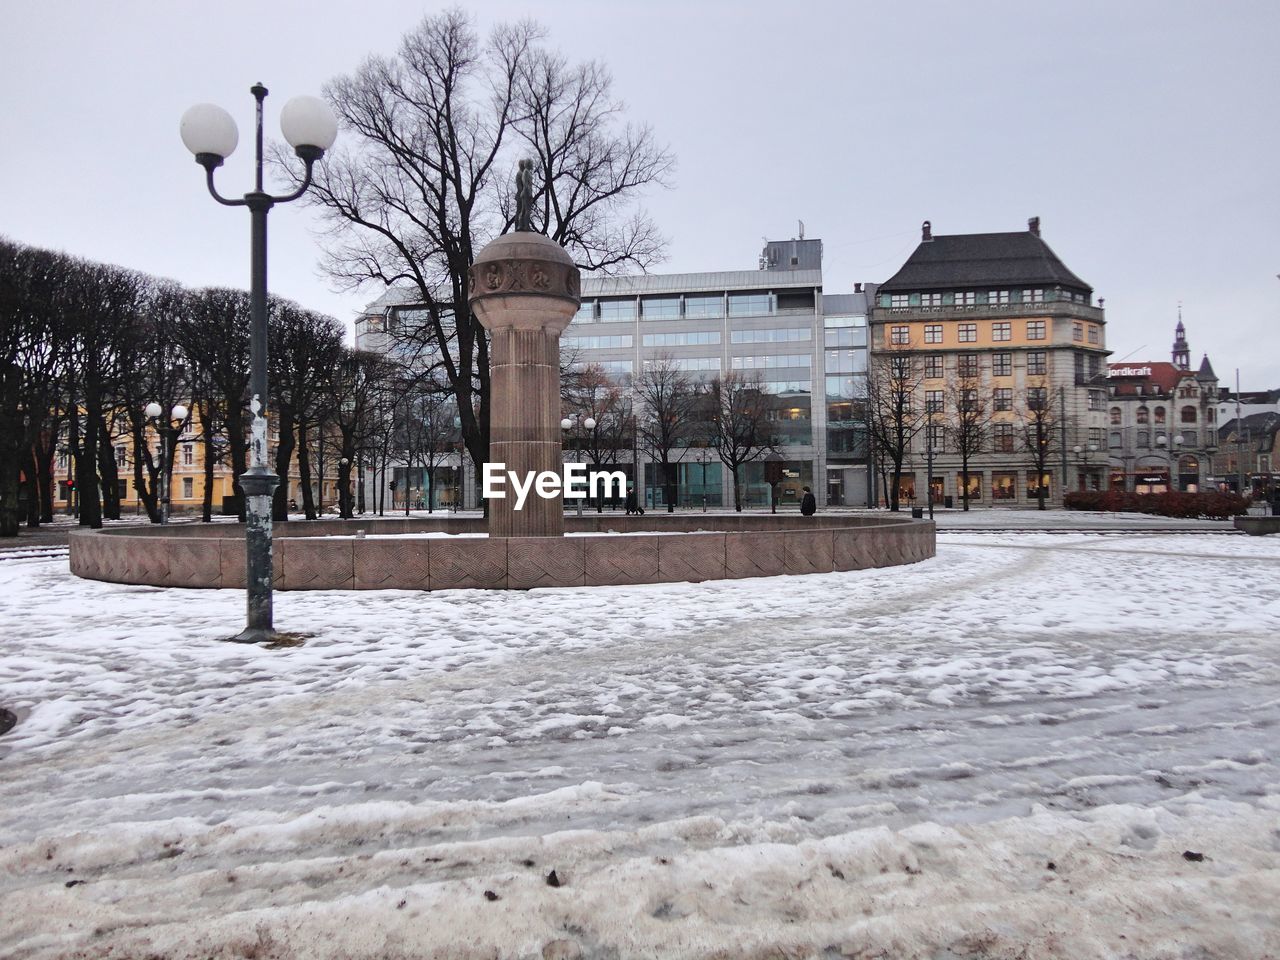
[1034, 226]
[926, 231]
[857, 288]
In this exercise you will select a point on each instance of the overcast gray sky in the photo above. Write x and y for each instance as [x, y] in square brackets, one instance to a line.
[1143, 134]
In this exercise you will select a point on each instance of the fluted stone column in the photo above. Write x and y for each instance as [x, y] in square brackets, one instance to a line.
[524, 289]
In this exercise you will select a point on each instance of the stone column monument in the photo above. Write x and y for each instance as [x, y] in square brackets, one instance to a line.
[524, 289]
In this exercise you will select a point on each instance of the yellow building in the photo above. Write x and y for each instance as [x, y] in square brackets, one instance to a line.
[1000, 315]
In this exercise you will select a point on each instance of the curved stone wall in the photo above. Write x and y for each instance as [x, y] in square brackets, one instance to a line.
[329, 555]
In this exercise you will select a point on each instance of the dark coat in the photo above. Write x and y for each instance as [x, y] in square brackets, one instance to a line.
[809, 505]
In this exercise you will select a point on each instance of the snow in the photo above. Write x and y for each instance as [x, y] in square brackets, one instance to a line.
[880, 763]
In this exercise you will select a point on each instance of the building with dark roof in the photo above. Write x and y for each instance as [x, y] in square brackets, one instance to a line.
[999, 319]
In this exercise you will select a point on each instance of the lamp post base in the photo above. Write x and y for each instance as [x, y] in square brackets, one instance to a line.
[268, 636]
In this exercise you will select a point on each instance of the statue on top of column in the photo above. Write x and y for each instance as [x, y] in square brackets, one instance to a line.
[524, 195]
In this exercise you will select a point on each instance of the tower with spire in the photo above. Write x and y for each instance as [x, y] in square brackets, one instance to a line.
[1181, 351]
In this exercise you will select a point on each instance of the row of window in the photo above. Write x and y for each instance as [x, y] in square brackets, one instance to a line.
[1004, 485]
[980, 298]
[596, 343]
[789, 335]
[1143, 439]
[1187, 414]
[798, 360]
[676, 308]
[1078, 333]
[969, 364]
[693, 338]
[967, 332]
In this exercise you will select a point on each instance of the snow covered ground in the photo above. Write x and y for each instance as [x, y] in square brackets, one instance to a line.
[1007, 751]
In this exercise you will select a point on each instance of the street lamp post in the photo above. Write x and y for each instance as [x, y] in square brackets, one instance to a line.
[209, 132]
[1082, 454]
[577, 423]
[704, 456]
[1170, 449]
[166, 429]
[928, 480]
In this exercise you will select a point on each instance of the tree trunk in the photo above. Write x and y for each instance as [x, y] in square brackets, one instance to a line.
[238, 446]
[737, 489]
[304, 471]
[109, 473]
[284, 457]
[210, 455]
[88, 492]
[964, 478]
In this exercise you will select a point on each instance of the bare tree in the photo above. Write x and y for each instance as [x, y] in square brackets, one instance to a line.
[667, 400]
[1039, 427]
[590, 392]
[423, 184]
[426, 429]
[894, 412]
[741, 412]
[969, 424]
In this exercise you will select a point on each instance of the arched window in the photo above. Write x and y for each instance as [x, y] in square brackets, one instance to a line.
[1159, 415]
[1188, 414]
[1115, 416]
[1144, 415]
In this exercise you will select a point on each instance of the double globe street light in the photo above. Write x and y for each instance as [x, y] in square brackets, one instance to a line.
[167, 430]
[588, 424]
[209, 132]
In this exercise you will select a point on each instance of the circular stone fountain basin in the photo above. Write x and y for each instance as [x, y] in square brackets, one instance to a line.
[411, 554]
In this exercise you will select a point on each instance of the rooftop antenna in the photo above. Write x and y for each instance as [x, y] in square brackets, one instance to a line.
[801, 229]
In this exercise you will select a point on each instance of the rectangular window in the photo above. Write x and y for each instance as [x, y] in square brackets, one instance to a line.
[1037, 365]
[188, 455]
[693, 338]
[1002, 437]
[1003, 398]
[899, 336]
[1095, 435]
[930, 299]
[933, 333]
[751, 304]
[975, 484]
[188, 488]
[618, 367]
[586, 312]
[933, 367]
[1077, 332]
[933, 401]
[697, 308]
[1095, 335]
[966, 299]
[935, 436]
[998, 297]
[1002, 364]
[900, 300]
[1002, 331]
[793, 335]
[967, 365]
[121, 456]
[1033, 296]
[764, 363]
[846, 361]
[1144, 438]
[596, 343]
[615, 311]
[1037, 483]
[1035, 329]
[660, 308]
[846, 337]
[1004, 486]
[692, 363]
[1097, 399]
[857, 320]
[967, 332]
[1037, 398]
